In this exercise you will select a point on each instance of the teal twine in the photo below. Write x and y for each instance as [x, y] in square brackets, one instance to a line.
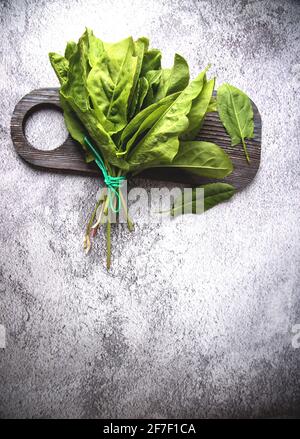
[112, 183]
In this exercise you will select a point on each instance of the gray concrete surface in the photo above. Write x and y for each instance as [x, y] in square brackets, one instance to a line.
[195, 318]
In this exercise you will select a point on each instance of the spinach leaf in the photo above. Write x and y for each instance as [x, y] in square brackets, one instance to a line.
[140, 47]
[174, 79]
[75, 87]
[60, 65]
[236, 114]
[79, 103]
[146, 125]
[75, 98]
[70, 49]
[76, 129]
[153, 78]
[94, 47]
[201, 158]
[136, 123]
[199, 109]
[139, 96]
[214, 193]
[74, 126]
[212, 106]
[151, 61]
[109, 84]
[161, 143]
[151, 70]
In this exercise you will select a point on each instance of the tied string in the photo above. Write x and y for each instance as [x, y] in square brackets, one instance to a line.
[112, 183]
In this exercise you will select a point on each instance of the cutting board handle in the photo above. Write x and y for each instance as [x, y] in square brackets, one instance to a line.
[67, 157]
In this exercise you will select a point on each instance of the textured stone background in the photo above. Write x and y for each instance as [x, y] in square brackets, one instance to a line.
[195, 318]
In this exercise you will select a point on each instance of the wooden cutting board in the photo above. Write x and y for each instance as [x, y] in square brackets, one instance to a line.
[69, 157]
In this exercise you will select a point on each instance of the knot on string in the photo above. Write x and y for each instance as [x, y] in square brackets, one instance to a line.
[112, 183]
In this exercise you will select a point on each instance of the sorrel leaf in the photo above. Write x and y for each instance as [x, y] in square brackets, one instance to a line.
[174, 79]
[236, 114]
[205, 159]
[110, 82]
[199, 109]
[214, 193]
[161, 143]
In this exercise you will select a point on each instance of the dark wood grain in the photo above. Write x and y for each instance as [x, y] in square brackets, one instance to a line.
[69, 156]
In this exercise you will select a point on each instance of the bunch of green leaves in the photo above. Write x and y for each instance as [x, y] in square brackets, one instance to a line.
[137, 114]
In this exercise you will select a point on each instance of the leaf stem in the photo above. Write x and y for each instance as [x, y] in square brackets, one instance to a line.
[108, 243]
[98, 222]
[130, 224]
[245, 151]
[87, 241]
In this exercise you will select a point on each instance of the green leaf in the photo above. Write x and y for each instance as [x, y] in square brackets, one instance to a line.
[201, 158]
[74, 126]
[75, 87]
[74, 92]
[140, 94]
[153, 78]
[146, 125]
[160, 144]
[214, 193]
[94, 47]
[174, 79]
[212, 106]
[73, 123]
[151, 71]
[151, 61]
[109, 84]
[199, 109]
[101, 139]
[236, 114]
[70, 49]
[140, 47]
[60, 65]
[136, 124]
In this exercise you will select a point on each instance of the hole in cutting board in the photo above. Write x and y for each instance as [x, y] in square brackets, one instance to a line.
[45, 129]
